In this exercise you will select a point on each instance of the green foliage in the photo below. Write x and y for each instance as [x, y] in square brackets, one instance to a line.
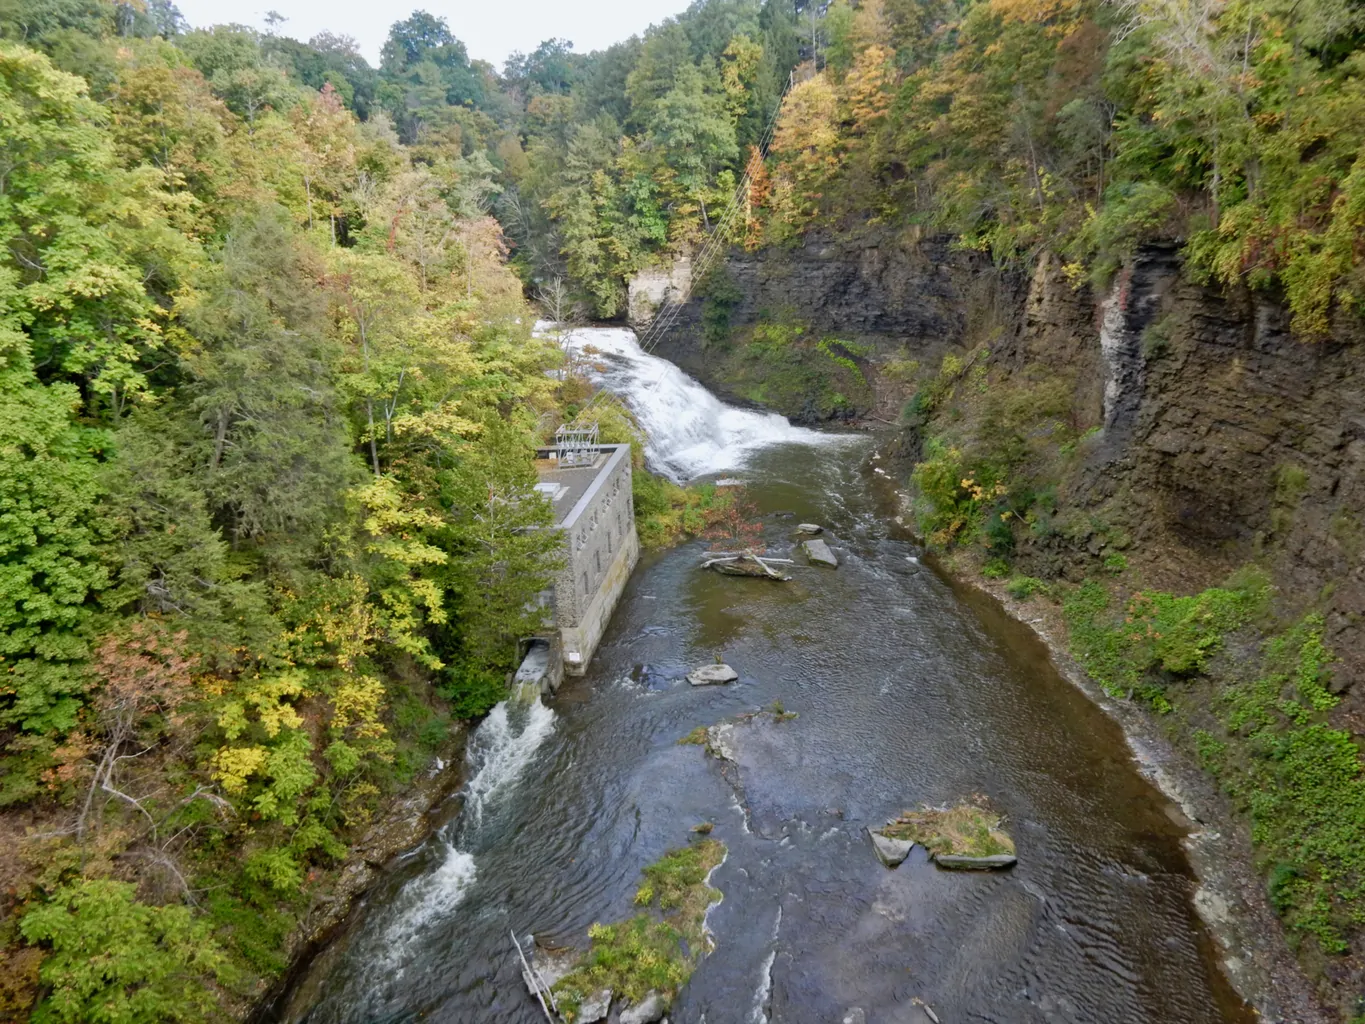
[781, 367]
[1303, 783]
[1090, 130]
[1301, 780]
[503, 550]
[114, 960]
[267, 384]
[654, 951]
[720, 295]
[1158, 634]
[967, 829]
[1023, 587]
[666, 514]
[954, 499]
[51, 565]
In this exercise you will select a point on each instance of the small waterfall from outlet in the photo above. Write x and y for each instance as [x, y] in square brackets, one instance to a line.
[689, 432]
[500, 750]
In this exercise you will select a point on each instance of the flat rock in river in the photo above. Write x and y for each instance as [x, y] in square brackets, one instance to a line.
[647, 1011]
[595, 1007]
[955, 862]
[811, 529]
[890, 852]
[712, 675]
[549, 966]
[818, 552]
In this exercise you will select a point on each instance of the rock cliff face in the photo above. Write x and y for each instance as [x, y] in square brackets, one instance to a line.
[1224, 437]
[888, 293]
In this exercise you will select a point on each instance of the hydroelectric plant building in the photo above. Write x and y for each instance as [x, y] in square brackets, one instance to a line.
[595, 512]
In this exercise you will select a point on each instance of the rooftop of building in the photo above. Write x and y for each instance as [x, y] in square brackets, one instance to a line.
[570, 487]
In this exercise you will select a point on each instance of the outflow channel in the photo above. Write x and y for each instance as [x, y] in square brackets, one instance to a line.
[906, 691]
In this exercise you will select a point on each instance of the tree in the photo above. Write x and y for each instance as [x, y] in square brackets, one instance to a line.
[51, 563]
[375, 303]
[117, 961]
[73, 222]
[500, 534]
[275, 458]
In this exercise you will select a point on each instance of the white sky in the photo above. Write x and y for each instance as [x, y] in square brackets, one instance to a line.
[491, 29]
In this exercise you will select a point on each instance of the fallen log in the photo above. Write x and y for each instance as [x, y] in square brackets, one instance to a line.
[745, 564]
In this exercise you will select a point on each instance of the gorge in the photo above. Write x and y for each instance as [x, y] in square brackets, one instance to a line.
[1014, 344]
[906, 689]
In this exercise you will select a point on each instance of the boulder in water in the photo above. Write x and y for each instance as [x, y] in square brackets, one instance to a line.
[649, 1010]
[891, 852]
[595, 1007]
[712, 675]
[720, 742]
[810, 529]
[818, 553]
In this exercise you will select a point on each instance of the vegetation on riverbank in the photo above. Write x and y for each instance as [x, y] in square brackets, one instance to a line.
[268, 398]
[1260, 722]
[1240, 674]
[657, 949]
[1247, 691]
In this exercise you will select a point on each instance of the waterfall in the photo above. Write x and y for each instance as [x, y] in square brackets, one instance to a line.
[688, 431]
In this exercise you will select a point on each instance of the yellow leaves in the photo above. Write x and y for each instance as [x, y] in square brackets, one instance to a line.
[359, 702]
[387, 513]
[1060, 16]
[738, 71]
[267, 700]
[234, 766]
[868, 87]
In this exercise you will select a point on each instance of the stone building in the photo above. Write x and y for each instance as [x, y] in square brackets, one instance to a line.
[596, 514]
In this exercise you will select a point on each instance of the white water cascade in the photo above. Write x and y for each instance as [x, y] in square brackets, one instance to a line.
[499, 752]
[689, 432]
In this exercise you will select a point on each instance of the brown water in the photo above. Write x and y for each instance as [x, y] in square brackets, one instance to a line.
[907, 692]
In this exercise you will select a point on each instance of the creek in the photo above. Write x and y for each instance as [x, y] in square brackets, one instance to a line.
[907, 689]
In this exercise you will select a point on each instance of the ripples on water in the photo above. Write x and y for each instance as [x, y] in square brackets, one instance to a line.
[906, 692]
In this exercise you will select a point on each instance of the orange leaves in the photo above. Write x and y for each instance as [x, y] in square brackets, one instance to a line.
[144, 671]
[1059, 17]
[868, 87]
[759, 192]
[807, 145]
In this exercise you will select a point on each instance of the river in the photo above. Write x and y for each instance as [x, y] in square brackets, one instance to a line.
[907, 690]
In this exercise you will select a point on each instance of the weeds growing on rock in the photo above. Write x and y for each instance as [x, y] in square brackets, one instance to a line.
[656, 950]
[967, 830]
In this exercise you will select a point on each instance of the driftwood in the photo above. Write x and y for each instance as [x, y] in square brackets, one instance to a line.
[536, 982]
[746, 563]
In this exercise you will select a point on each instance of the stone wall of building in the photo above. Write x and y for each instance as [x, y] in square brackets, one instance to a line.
[601, 548]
